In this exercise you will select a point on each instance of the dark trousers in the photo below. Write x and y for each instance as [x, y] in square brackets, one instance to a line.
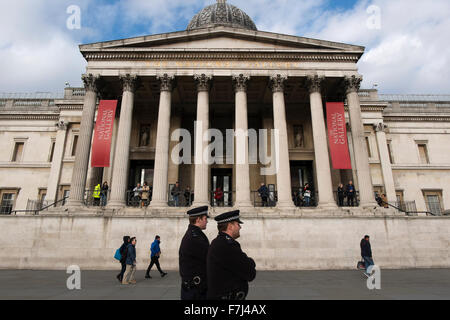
[341, 201]
[351, 200]
[124, 266]
[155, 260]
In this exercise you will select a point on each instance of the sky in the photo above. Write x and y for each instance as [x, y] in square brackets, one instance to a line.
[407, 47]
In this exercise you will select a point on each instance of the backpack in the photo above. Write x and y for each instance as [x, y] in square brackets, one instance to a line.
[117, 255]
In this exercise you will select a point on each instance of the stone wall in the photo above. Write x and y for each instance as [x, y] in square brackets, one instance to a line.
[276, 243]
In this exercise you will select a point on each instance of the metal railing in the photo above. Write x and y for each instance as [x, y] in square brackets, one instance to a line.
[343, 199]
[269, 201]
[36, 211]
[184, 199]
[137, 199]
[301, 199]
[92, 201]
[222, 198]
[6, 210]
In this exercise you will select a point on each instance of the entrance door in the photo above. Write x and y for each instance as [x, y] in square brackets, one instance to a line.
[140, 172]
[222, 187]
[301, 174]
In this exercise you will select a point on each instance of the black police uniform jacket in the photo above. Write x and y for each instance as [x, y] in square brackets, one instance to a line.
[229, 269]
[192, 254]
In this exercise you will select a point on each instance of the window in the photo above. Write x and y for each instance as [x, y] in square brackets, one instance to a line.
[391, 157]
[18, 151]
[433, 200]
[52, 151]
[399, 195]
[423, 154]
[74, 145]
[368, 147]
[7, 203]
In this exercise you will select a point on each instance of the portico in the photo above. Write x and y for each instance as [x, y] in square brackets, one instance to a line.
[223, 76]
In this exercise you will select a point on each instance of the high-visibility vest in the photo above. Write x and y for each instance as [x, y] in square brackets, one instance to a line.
[97, 191]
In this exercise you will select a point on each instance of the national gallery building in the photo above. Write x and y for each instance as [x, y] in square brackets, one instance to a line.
[225, 74]
[148, 102]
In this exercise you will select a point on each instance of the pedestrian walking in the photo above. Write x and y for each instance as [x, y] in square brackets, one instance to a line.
[351, 193]
[128, 277]
[155, 255]
[192, 256]
[341, 195]
[123, 257]
[366, 252]
[229, 269]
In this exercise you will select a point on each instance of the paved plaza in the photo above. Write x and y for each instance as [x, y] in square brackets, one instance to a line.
[432, 284]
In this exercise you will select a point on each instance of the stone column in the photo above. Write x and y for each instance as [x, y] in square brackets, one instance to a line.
[281, 151]
[160, 183]
[81, 164]
[174, 146]
[366, 195]
[386, 167]
[58, 154]
[322, 162]
[201, 194]
[121, 161]
[241, 160]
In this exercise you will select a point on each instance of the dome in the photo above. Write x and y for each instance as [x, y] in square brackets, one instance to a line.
[221, 14]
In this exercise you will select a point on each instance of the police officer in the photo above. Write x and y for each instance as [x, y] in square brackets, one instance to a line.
[229, 269]
[192, 256]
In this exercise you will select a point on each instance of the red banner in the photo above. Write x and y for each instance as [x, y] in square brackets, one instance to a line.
[101, 147]
[337, 135]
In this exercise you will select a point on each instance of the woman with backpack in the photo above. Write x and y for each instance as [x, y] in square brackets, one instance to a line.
[123, 255]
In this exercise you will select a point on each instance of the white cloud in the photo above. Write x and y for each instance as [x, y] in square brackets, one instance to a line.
[409, 54]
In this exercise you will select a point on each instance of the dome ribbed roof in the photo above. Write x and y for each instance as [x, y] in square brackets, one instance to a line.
[221, 14]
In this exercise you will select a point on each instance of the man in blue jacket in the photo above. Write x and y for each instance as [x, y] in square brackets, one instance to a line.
[366, 252]
[155, 255]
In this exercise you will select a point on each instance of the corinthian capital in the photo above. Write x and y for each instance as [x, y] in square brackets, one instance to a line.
[167, 82]
[129, 82]
[277, 83]
[90, 82]
[352, 84]
[314, 83]
[380, 127]
[240, 82]
[203, 81]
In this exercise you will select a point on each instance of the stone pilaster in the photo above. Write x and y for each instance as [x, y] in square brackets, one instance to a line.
[386, 168]
[121, 161]
[201, 186]
[243, 198]
[322, 162]
[81, 164]
[160, 183]
[58, 154]
[282, 158]
[366, 194]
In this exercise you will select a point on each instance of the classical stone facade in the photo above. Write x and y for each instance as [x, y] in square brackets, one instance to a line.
[225, 74]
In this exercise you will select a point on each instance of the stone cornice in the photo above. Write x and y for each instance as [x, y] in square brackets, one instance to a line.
[221, 55]
[407, 118]
[29, 116]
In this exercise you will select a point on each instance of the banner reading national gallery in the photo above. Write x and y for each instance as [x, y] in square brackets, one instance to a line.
[337, 135]
[101, 147]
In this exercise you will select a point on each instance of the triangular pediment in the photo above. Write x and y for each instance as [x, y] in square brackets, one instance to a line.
[223, 39]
